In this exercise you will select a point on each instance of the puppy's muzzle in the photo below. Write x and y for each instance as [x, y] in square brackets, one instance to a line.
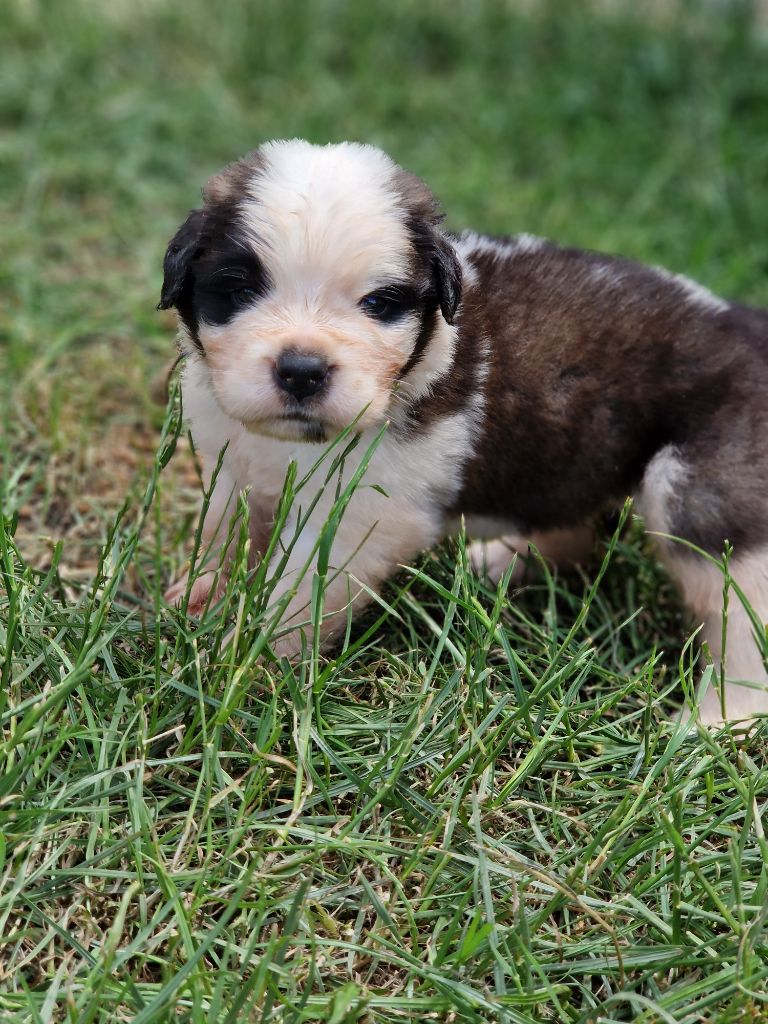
[301, 374]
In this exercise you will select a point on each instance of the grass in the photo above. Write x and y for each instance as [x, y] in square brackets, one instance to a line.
[480, 809]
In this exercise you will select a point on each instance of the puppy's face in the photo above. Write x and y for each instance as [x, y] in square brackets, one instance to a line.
[311, 282]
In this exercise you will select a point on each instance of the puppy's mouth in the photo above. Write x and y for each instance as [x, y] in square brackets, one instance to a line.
[292, 425]
[311, 428]
[300, 415]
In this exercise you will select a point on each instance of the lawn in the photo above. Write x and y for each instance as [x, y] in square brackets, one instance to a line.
[479, 808]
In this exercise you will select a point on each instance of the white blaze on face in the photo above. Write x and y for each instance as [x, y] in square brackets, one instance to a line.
[329, 227]
[328, 212]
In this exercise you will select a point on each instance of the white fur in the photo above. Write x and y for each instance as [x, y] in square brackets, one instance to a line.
[694, 292]
[431, 367]
[605, 274]
[469, 242]
[611, 275]
[469, 275]
[416, 475]
[702, 584]
[329, 226]
[527, 243]
[660, 488]
[321, 216]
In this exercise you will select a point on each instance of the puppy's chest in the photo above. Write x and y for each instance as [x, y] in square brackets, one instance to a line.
[423, 472]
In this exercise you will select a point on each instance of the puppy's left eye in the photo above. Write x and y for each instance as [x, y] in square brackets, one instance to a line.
[388, 305]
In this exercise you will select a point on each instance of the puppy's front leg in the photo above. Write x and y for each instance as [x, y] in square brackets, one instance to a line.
[214, 533]
[361, 559]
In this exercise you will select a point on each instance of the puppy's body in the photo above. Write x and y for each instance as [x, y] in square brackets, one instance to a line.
[527, 386]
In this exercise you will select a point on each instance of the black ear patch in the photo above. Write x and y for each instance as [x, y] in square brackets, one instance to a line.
[177, 258]
[446, 270]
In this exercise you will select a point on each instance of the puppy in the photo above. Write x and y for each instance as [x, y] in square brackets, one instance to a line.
[526, 387]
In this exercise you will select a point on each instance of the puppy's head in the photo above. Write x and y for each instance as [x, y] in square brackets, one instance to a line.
[312, 281]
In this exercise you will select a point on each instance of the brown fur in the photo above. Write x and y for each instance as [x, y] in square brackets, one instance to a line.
[590, 375]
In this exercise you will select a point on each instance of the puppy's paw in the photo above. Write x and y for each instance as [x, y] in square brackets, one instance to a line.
[200, 594]
[290, 645]
[492, 558]
[742, 706]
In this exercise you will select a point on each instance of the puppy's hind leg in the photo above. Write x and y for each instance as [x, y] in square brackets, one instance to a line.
[731, 627]
[746, 656]
[678, 498]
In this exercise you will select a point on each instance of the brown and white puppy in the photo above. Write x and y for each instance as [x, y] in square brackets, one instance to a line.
[527, 386]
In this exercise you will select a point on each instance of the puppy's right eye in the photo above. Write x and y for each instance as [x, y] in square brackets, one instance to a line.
[244, 295]
[227, 284]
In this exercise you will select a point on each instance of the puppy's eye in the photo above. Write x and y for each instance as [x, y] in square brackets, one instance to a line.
[243, 295]
[388, 305]
[226, 284]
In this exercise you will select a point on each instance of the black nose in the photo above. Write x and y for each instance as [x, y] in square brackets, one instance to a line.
[301, 374]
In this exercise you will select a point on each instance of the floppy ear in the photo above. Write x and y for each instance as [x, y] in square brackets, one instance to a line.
[177, 258]
[446, 270]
